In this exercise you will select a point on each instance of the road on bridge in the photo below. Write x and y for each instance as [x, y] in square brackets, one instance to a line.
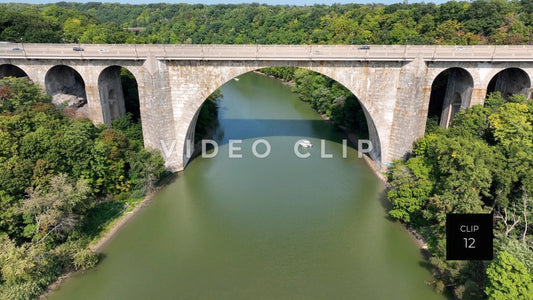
[267, 52]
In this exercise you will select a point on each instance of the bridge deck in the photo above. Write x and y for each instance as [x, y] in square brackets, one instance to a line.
[268, 52]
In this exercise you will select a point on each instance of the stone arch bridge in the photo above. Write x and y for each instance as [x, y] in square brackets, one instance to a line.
[394, 84]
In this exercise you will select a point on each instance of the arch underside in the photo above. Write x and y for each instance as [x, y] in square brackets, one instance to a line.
[451, 91]
[111, 94]
[510, 81]
[67, 87]
[9, 70]
[66, 80]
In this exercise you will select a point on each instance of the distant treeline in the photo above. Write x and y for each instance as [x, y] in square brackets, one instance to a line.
[477, 22]
[328, 97]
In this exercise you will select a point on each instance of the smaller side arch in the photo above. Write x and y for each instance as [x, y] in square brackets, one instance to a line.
[451, 91]
[510, 81]
[66, 80]
[7, 70]
[119, 93]
[111, 94]
[66, 85]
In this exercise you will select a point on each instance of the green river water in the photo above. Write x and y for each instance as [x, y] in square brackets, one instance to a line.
[280, 227]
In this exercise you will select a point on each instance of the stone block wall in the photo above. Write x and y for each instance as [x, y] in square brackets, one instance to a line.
[394, 94]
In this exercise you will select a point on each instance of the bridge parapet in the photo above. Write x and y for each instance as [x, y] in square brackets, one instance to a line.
[269, 52]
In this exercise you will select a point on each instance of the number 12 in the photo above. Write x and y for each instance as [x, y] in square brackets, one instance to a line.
[469, 243]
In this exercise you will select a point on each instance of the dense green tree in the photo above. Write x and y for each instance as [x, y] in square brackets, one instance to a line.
[57, 208]
[132, 128]
[72, 153]
[411, 186]
[15, 175]
[485, 16]
[9, 214]
[472, 122]
[464, 167]
[107, 33]
[508, 278]
[18, 93]
[521, 250]
[512, 123]
[19, 264]
[146, 169]
[55, 172]
[303, 86]
[73, 22]
[483, 163]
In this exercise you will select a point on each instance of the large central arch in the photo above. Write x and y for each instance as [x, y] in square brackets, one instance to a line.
[194, 107]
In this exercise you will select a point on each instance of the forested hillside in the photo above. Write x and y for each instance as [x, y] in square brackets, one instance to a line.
[477, 22]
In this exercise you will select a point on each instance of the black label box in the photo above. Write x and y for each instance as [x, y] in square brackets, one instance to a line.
[469, 237]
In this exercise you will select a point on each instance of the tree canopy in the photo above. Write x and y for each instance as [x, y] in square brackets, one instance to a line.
[482, 164]
[476, 22]
[61, 180]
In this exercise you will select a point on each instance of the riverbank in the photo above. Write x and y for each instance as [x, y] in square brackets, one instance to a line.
[117, 224]
[417, 238]
[353, 138]
[124, 217]
[287, 83]
[250, 216]
[111, 230]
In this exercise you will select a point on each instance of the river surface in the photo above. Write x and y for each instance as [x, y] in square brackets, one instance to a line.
[280, 227]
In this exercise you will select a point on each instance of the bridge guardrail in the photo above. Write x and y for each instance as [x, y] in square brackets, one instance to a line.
[267, 52]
